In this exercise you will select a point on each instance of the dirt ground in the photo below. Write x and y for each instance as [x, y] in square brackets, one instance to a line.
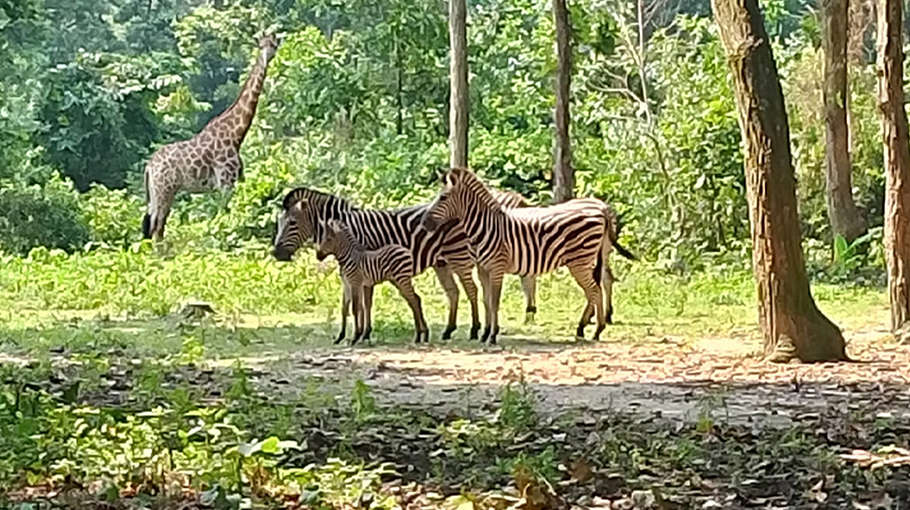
[724, 379]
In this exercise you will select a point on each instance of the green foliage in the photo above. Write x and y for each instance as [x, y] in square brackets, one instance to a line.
[356, 103]
[45, 217]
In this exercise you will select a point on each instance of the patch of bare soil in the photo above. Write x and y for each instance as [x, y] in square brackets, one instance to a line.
[669, 378]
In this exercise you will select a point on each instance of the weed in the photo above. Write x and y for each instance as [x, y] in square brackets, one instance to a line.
[518, 408]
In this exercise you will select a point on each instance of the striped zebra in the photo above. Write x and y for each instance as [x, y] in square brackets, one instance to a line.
[529, 241]
[445, 250]
[362, 269]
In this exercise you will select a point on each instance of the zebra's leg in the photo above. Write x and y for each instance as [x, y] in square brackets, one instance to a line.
[345, 305]
[465, 274]
[488, 313]
[357, 299]
[444, 274]
[367, 311]
[495, 287]
[606, 284]
[406, 288]
[584, 276]
[529, 287]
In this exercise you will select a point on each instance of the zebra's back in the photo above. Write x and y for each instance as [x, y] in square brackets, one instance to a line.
[389, 263]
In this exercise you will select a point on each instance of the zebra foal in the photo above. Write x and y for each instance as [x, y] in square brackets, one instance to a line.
[361, 270]
[529, 241]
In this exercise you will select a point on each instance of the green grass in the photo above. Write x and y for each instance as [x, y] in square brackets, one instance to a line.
[129, 299]
[138, 409]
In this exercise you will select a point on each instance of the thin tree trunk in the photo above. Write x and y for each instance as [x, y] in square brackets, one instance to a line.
[897, 158]
[791, 323]
[642, 62]
[843, 215]
[399, 101]
[563, 173]
[458, 78]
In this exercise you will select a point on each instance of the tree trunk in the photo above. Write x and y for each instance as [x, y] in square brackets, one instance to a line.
[897, 157]
[845, 218]
[563, 174]
[458, 79]
[791, 323]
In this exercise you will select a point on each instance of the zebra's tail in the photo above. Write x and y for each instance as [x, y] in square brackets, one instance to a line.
[147, 219]
[613, 228]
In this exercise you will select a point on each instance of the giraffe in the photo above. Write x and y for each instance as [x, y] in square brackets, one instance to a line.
[211, 159]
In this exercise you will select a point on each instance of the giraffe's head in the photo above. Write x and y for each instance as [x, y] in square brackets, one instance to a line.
[268, 44]
[295, 226]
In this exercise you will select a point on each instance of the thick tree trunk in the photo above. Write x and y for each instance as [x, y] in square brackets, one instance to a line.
[458, 79]
[563, 173]
[791, 323]
[897, 158]
[845, 218]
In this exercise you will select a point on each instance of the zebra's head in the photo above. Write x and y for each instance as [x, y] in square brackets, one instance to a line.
[295, 226]
[331, 239]
[461, 191]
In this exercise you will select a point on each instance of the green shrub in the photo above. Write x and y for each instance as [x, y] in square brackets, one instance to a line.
[114, 216]
[32, 216]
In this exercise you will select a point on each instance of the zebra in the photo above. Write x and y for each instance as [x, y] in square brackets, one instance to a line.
[361, 270]
[578, 234]
[446, 250]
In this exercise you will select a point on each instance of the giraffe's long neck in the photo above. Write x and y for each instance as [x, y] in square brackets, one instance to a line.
[234, 123]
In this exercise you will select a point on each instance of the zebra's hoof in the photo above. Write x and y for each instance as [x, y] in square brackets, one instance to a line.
[475, 330]
[447, 334]
[485, 336]
[340, 338]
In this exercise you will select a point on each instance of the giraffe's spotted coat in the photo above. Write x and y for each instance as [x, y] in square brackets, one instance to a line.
[211, 159]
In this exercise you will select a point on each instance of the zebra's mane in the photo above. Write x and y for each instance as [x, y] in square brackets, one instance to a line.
[315, 196]
[470, 180]
[346, 234]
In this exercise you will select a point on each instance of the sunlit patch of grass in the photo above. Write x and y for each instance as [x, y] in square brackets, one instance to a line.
[128, 300]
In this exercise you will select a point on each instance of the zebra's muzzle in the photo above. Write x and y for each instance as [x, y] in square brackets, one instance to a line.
[283, 254]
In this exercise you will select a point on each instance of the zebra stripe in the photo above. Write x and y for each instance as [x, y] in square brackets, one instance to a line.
[527, 241]
[362, 269]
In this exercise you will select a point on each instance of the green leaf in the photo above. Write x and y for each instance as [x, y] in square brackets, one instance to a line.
[270, 445]
[840, 248]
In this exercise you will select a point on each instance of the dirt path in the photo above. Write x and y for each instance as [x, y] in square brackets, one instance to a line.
[724, 379]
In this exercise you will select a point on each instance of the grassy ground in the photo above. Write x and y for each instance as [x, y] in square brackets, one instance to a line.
[109, 398]
[131, 299]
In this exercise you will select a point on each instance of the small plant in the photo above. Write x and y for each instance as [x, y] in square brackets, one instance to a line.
[363, 403]
[518, 408]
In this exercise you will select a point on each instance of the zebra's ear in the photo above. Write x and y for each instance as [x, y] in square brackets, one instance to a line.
[334, 225]
[300, 205]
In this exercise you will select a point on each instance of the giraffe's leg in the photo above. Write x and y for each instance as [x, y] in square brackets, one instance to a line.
[226, 177]
[406, 288]
[444, 274]
[162, 209]
[345, 305]
[495, 287]
[584, 276]
[367, 311]
[465, 274]
[529, 287]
